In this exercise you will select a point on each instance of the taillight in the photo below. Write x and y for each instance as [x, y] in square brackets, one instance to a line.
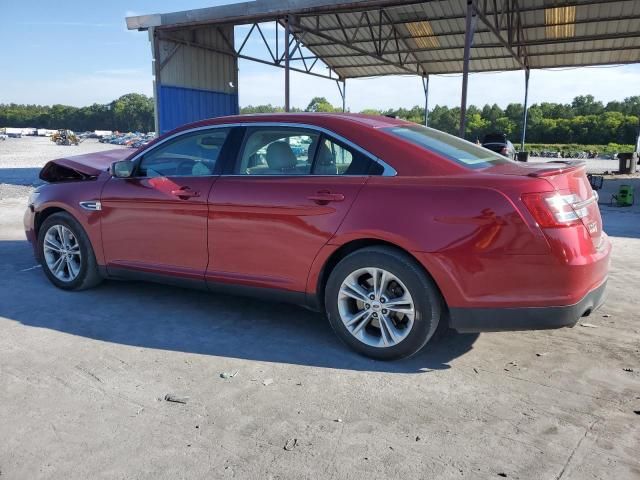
[552, 209]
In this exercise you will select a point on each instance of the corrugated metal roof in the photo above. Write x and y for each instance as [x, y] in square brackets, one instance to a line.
[388, 37]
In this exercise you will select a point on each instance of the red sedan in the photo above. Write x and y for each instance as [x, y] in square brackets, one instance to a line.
[388, 227]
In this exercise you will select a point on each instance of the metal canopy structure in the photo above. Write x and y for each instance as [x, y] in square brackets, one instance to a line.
[368, 38]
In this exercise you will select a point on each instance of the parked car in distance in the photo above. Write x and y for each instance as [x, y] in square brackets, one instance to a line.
[498, 142]
[388, 227]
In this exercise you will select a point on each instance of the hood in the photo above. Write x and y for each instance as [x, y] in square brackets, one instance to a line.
[82, 167]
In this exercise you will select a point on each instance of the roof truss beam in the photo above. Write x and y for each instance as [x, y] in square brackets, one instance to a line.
[514, 28]
[298, 29]
[308, 69]
[496, 57]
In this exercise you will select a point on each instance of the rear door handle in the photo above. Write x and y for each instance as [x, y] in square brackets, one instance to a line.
[184, 193]
[322, 198]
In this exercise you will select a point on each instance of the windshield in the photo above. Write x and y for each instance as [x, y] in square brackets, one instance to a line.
[459, 150]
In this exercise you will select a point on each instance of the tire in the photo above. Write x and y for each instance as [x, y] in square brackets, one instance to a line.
[411, 330]
[86, 274]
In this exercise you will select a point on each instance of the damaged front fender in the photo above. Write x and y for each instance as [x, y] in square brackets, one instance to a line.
[81, 167]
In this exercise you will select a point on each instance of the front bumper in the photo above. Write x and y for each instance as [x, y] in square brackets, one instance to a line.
[29, 227]
[525, 318]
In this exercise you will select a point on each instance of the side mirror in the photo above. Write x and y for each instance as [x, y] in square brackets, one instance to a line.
[122, 169]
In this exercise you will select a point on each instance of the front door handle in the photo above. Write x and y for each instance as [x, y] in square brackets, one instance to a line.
[184, 193]
[322, 198]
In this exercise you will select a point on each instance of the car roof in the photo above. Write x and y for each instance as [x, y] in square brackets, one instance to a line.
[366, 131]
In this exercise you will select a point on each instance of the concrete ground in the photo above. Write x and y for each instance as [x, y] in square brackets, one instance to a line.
[594, 165]
[83, 377]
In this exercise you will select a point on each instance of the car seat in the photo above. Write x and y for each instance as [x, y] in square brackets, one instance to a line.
[281, 159]
[325, 161]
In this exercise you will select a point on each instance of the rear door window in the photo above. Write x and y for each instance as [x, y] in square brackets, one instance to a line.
[277, 151]
[459, 150]
[335, 158]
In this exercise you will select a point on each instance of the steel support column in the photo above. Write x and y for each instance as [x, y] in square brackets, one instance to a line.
[287, 47]
[470, 27]
[425, 86]
[526, 108]
[343, 93]
[155, 52]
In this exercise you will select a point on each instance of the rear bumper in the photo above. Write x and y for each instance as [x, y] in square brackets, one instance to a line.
[525, 318]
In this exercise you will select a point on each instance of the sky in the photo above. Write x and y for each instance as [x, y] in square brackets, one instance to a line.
[82, 54]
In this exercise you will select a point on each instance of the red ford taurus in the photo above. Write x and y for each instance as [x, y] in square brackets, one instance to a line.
[388, 227]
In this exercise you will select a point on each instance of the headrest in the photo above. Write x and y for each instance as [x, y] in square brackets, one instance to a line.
[280, 156]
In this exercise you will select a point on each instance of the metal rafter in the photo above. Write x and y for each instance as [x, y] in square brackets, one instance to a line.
[493, 57]
[477, 46]
[524, 28]
[354, 48]
[349, 73]
[493, 12]
[234, 53]
[404, 42]
[512, 22]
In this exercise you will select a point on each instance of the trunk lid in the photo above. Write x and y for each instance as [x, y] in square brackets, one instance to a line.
[82, 167]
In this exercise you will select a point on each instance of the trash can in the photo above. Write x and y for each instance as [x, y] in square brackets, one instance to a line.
[625, 196]
[627, 162]
[523, 156]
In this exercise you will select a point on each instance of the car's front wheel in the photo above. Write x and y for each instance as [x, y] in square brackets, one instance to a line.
[382, 304]
[66, 254]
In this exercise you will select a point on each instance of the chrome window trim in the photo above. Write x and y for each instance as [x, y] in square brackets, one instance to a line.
[387, 170]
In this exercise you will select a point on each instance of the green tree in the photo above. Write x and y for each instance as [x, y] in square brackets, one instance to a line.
[586, 105]
[320, 104]
[583, 121]
[261, 109]
[132, 112]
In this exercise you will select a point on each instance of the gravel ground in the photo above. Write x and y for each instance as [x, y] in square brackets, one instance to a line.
[594, 165]
[83, 380]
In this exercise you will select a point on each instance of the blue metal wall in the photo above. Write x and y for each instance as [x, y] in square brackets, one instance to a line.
[180, 105]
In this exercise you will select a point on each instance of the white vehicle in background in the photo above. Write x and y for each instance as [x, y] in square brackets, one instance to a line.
[13, 132]
[45, 132]
[101, 133]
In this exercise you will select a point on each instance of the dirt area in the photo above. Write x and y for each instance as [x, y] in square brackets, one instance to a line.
[83, 380]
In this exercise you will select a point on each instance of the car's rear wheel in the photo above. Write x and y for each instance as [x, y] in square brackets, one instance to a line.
[382, 304]
[66, 254]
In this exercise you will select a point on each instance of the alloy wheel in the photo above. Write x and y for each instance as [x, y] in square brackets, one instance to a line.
[376, 307]
[62, 253]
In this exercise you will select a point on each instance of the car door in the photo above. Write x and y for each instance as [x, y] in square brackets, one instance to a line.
[289, 190]
[156, 221]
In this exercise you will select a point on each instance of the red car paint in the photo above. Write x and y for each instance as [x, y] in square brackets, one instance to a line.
[469, 228]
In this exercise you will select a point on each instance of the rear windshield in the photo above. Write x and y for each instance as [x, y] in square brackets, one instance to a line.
[494, 138]
[460, 151]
